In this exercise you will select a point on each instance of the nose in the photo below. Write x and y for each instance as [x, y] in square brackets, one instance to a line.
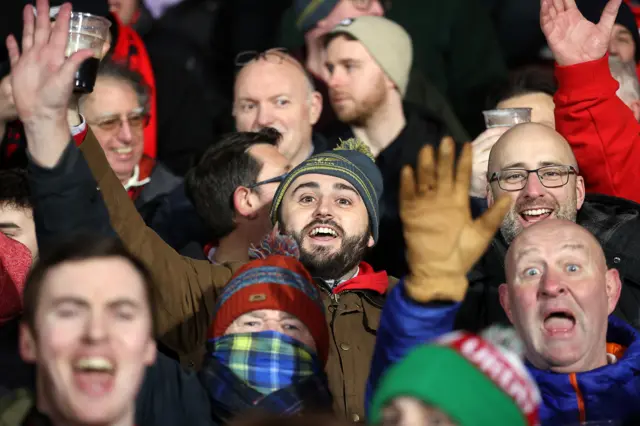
[125, 134]
[613, 47]
[552, 284]
[323, 209]
[96, 328]
[264, 117]
[335, 78]
[533, 188]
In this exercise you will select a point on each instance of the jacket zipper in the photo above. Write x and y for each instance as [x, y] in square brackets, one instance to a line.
[573, 379]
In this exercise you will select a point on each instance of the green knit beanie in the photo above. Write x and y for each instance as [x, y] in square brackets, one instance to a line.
[473, 381]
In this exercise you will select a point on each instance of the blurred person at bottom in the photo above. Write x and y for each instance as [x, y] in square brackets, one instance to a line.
[559, 295]
[489, 372]
[118, 111]
[88, 326]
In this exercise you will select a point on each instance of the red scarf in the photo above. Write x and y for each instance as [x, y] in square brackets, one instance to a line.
[130, 50]
[367, 279]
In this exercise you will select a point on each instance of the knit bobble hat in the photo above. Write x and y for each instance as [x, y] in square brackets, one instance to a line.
[275, 280]
[309, 12]
[352, 161]
[475, 380]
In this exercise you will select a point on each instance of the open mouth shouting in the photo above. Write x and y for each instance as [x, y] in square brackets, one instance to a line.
[558, 322]
[324, 233]
[529, 216]
[94, 375]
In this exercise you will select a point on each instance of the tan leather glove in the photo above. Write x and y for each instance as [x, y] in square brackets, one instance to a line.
[443, 241]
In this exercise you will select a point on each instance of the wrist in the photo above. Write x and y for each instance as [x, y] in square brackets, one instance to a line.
[431, 289]
[46, 141]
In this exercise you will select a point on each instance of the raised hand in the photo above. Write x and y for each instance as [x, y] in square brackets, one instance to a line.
[481, 148]
[42, 80]
[42, 77]
[443, 241]
[572, 38]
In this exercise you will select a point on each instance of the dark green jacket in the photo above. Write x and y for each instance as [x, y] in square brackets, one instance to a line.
[454, 45]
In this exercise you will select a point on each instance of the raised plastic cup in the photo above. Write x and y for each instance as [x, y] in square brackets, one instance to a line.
[87, 31]
[506, 117]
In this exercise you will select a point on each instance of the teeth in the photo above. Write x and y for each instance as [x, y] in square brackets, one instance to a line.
[323, 230]
[536, 212]
[94, 364]
[125, 150]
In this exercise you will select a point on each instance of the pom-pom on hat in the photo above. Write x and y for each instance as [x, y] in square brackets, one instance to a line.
[475, 380]
[275, 280]
[352, 161]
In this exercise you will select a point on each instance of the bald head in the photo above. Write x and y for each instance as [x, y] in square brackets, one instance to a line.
[559, 295]
[527, 141]
[273, 90]
[556, 233]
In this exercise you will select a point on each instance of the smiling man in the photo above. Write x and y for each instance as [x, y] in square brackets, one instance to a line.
[330, 205]
[88, 325]
[534, 166]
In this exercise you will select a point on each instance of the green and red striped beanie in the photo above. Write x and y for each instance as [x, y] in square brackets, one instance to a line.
[468, 377]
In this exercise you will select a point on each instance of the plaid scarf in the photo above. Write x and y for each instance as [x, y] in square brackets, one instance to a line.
[266, 361]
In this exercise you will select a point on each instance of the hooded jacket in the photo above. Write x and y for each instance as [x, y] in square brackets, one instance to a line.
[607, 393]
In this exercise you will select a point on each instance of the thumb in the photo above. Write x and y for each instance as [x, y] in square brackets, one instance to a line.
[609, 15]
[487, 224]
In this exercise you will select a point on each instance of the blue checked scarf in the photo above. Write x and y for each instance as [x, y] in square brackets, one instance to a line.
[267, 361]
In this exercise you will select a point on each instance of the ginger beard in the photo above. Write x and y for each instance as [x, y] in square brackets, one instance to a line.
[324, 261]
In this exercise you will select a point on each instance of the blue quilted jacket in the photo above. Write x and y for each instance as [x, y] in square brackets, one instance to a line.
[610, 392]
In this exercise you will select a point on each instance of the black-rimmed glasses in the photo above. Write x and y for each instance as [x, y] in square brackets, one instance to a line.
[277, 55]
[277, 179]
[550, 177]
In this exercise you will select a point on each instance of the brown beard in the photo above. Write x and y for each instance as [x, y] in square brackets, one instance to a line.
[362, 111]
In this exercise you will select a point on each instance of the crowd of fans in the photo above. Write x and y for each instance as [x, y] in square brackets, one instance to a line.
[271, 209]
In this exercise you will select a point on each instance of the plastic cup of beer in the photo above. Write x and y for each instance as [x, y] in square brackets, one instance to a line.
[87, 31]
[506, 117]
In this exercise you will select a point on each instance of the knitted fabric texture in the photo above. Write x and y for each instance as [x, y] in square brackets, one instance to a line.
[491, 386]
[387, 42]
[278, 282]
[352, 161]
[267, 361]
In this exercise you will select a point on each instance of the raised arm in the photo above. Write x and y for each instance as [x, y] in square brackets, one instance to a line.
[443, 243]
[42, 81]
[600, 128]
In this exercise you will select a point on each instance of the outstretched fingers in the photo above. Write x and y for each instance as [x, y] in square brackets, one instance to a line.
[60, 32]
[407, 184]
[446, 157]
[609, 15]
[487, 224]
[426, 173]
[13, 50]
[43, 23]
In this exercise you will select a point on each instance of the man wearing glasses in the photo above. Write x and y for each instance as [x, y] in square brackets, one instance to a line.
[117, 112]
[535, 167]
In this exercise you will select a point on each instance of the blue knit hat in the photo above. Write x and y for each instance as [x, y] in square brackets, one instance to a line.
[309, 12]
[351, 161]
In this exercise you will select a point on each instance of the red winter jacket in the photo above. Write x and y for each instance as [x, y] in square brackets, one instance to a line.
[601, 129]
[15, 262]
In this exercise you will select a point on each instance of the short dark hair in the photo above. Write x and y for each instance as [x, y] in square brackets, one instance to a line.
[14, 189]
[524, 81]
[224, 167]
[332, 36]
[77, 248]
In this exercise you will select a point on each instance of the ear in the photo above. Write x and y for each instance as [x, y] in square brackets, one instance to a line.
[243, 203]
[371, 242]
[635, 107]
[580, 192]
[150, 352]
[315, 108]
[490, 199]
[613, 288]
[503, 290]
[27, 344]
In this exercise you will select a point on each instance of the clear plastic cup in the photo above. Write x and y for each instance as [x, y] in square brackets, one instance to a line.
[506, 117]
[87, 31]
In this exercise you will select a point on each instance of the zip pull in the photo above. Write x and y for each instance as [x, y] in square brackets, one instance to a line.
[335, 298]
